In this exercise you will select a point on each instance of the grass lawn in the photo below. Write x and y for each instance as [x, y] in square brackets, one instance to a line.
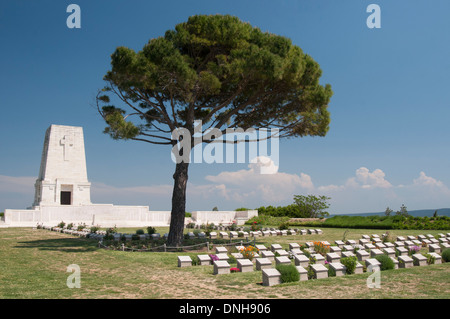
[33, 264]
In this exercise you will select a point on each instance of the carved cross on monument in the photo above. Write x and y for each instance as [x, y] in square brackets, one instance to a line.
[67, 143]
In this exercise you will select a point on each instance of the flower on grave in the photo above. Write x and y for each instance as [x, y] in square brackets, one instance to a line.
[234, 269]
[321, 248]
[213, 257]
[414, 250]
[249, 252]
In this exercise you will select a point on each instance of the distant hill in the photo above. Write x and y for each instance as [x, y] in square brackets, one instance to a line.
[415, 213]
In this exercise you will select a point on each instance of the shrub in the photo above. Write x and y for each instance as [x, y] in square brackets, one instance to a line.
[61, 224]
[446, 255]
[94, 229]
[151, 230]
[386, 262]
[267, 220]
[70, 226]
[140, 232]
[111, 230]
[350, 264]
[289, 273]
[232, 259]
[283, 226]
[255, 226]
[331, 271]
[430, 259]
[186, 214]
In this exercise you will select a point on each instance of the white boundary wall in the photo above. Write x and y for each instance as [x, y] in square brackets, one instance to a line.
[111, 215]
[103, 215]
[223, 217]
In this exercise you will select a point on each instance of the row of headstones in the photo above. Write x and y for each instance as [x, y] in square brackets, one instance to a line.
[271, 276]
[259, 233]
[85, 232]
[265, 263]
[402, 244]
[129, 237]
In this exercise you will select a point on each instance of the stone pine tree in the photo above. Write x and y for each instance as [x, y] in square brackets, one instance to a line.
[218, 70]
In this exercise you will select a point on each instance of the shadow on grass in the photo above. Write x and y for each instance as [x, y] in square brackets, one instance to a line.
[69, 245]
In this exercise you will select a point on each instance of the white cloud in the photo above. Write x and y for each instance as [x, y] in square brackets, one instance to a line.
[363, 179]
[366, 191]
[424, 180]
[251, 184]
[366, 179]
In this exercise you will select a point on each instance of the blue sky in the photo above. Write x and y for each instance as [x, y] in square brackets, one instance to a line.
[388, 142]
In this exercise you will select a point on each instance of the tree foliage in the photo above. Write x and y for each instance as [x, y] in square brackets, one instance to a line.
[219, 70]
[312, 206]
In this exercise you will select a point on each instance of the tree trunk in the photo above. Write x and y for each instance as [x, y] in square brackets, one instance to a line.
[178, 205]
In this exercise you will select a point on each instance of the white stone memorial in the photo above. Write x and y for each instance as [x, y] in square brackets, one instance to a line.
[301, 260]
[271, 277]
[63, 192]
[184, 261]
[282, 260]
[275, 247]
[319, 259]
[221, 267]
[204, 260]
[261, 247]
[437, 258]
[405, 262]
[419, 260]
[434, 248]
[320, 271]
[362, 255]
[221, 250]
[281, 252]
[263, 263]
[245, 265]
[339, 269]
[333, 257]
[375, 252]
[336, 250]
[303, 273]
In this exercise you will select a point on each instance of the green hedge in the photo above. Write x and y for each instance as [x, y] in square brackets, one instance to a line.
[292, 211]
[267, 220]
